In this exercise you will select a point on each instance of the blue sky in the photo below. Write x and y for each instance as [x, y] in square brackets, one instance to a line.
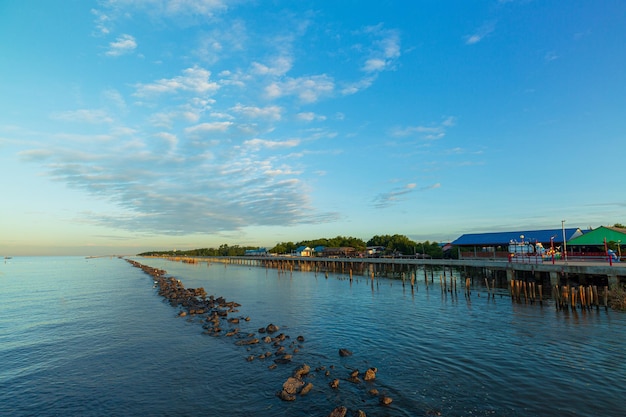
[128, 126]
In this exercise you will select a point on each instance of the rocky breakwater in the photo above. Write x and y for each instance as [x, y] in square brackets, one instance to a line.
[267, 343]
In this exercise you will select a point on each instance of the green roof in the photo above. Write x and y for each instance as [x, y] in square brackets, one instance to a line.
[596, 237]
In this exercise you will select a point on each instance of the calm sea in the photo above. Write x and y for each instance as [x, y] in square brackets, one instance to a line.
[91, 337]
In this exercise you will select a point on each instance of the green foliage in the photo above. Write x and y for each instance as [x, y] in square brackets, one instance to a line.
[283, 248]
[223, 250]
[336, 242]
[401, 244]
[619, 225]
[394, 244]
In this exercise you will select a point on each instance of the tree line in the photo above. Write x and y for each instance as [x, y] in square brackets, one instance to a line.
[393, 245]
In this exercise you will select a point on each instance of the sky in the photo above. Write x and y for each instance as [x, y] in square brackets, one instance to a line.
[136, 125]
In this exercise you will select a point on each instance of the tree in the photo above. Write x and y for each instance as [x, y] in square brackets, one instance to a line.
[284, 247]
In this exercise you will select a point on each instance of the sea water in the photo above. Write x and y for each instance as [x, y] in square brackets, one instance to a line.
[92, 337]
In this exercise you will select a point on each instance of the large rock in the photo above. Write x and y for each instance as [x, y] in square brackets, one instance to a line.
[370, 374]
[339, 412]
[271, 328]
[344, 352]
[301, 371]
[307, 388]
[293, 385]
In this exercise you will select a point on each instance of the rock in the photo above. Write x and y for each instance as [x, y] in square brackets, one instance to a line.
[247, 342]
[293, 385]
[300, 338]
[271, 328]
[339, 412]
[267, 339]
[344, 352]
[262, 330]
[182, 314]
[334, 384]
[286, 396]
[373, 392]
[360, 413]
[301, 371]
[283, 360]
[370, 374]
[307, 388]
[384, 400]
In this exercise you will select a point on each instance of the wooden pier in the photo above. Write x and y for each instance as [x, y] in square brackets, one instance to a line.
[502, 272]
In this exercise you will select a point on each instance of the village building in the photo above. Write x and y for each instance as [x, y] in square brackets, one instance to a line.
[497, 244]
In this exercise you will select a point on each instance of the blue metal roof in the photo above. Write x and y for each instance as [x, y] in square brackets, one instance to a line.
[504, 238]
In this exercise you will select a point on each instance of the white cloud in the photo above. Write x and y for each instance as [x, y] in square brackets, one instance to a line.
[307, 89]
[384, 200]
[278, 67]
[426, 132]
[193, 79]
[115, 97]
[124, 44]
[385, 49]
[168, 138]
[268, 113]
[214, 127]
[480, 34]
[200, 7]
[359, 85]
[310, 117]
[271, 144]
[83, 116]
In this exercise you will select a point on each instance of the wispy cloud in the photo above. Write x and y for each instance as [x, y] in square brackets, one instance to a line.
[426, 132]
[83, 116]
[308, 89]
[310, 117]
[123, 45]
[204, 128]
[271, 144]
[194, 79]
[397, 195]
[269, 113]
[480, 34]
[385, 49]
[277, 67]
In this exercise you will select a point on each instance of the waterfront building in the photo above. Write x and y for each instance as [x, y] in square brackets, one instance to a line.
[496, 244]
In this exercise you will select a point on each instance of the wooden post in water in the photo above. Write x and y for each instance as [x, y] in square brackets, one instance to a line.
[606, 297]
[487, 285]
[467, 286]
[573, 300]
[557, 296]
[595, 296]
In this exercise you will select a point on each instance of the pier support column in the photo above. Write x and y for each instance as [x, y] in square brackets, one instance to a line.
[554, 279]
[510, 275]
[613, 280]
